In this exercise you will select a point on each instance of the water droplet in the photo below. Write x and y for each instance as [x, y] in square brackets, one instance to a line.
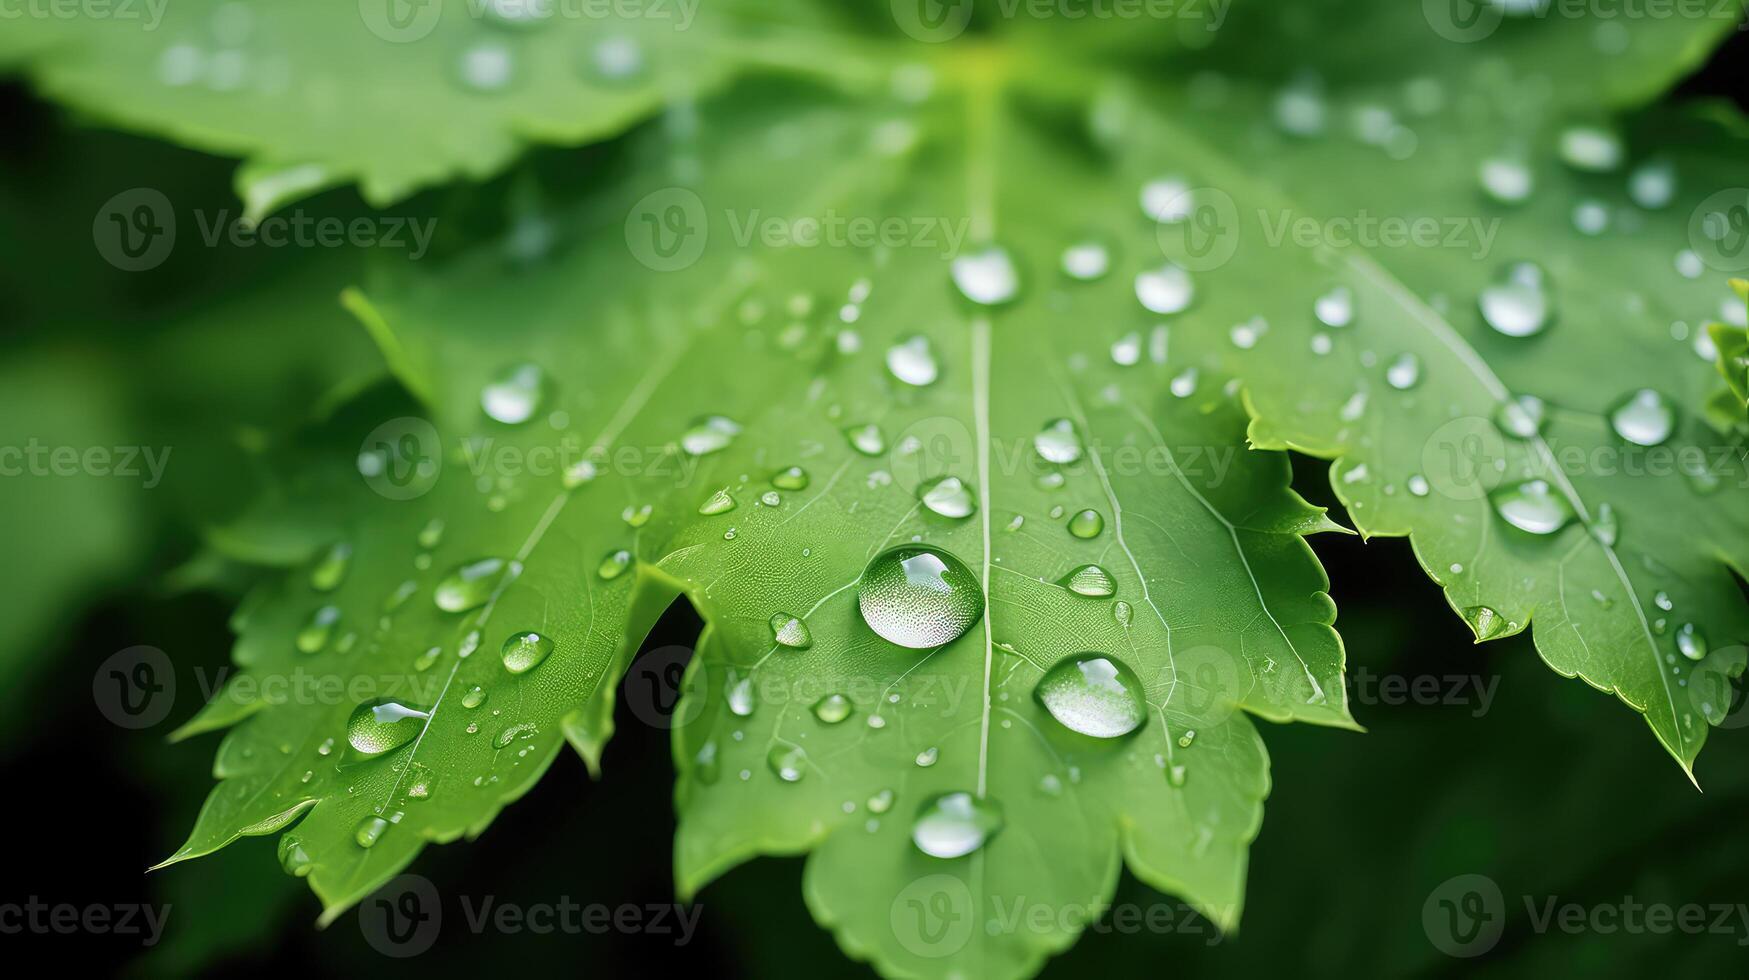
[1521, 417]
[912, 361]
[1089, 580]
[616, 59]
[1086, 261]
[1123, 613]
[739, 697]
[791, 478]
[881, 802]
[514, 396]
[1418, 485]
[1167, 289]
[832, 709]
[709, 434]
[431, 535]
[614, 564]
[578, 473]
[1644, 418]
[953, 825]
[314, 636]
[787, 762]
[1127, 350]
[1485, 623]
[637, 515]
[947, 496]
[523, 652]
[487, 66]
[717, 503]
[511, 733]
[471, 584]
[1591, 148]
[1094, 695]
[1652, 185]
[1168, 200]
[790, 631]
[426, 659]
[928, 757]
[1662, 600]
[293, 858]
[1185, 740]
[1404, 372]
[1184, 384]
[1058, 442]
[421, 781]
[986, 276]
[770, 498]
[1690, 641]
[1517, 303]
[1086, 524]
[1605, 526]
[383, 724]
[369, 831]
[866, 439]
[1335, 308]
[1591, 217]
[1533, 507]
[475, 697]
[1507, 180]
[331, 570]
[919, 597]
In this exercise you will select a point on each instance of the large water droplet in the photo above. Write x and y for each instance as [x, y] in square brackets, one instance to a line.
[866, 439]
[912, 361]
[369, 831]
[953, 825]
[1058, 442]
[294, 858]
[1335, 308]
[986, 276]
[919, 597]
[739, 697]
[1093, 694]
[472, 583]
[514, 396]
[1690, 641]
[1517, 303]
[1167, 289]
[832, 709]
[1168, 200]
[947, 496]
[523, 652]
[1644, 418]
[790, 631]
[1532, 506]
[1089, 580]
[378, 726]
[1485, 623]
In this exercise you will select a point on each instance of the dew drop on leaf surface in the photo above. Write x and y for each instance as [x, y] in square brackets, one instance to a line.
[383, 724]
[524, 651]
[955, 824]
[470, 584]
[919, 597]
[1093, 694]
[1533, 507]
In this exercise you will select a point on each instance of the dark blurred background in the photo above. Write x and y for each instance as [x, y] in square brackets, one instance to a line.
[1545, 786]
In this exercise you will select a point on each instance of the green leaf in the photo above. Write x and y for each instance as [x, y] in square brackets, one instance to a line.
[392, 96]
[1732, 344]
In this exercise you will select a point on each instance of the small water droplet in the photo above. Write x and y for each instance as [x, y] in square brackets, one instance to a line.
[953, 825]
[1533, 507]
[524, 651]
[471, 584]
[431, 535]
[1058, 442]
[383, 724]
[1690, 641]
[717, 503]
[791, 632]
[881, 802]
[1126, 351]
[1644, 418]
[486, 66]
[1093, 694]
[614, 564]
[1605, 526]
[511, 733]
[866, 439]
[1335, 308]
[832, 709]
[912, 361]
[1167, 289]
[1485, 623]
[709, 434]
[1418, 485]
[1591, 148]
[787, 762]
[947, 496]
[294, 858]
[314, 636]
[331, 570]
[1184, 384]
[369, 831]
[1123, 613]
[1086, 261]
[986, 276]
[1521, 417]
[1086, 524]
[919, 597]
[1506, 179]
[1652, 185]
[578, 473]
[928, 757]
[1517, 303]
[1089, 580]
[790, 478]
[475, 697]
[1404, 372]
[739, 697]
[514, 396]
